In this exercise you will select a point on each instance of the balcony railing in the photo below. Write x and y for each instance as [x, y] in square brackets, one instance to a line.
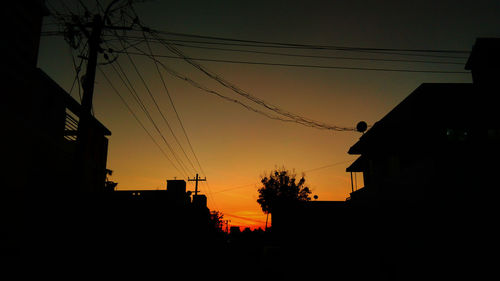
[70, 126]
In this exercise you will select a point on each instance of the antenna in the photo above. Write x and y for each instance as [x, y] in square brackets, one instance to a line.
[361, 127]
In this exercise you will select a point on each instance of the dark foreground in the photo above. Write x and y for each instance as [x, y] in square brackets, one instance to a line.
[99, 237]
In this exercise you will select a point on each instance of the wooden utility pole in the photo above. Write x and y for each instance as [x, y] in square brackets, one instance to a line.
[84, 125]
[88, 84]
[85, 116]
[197, 179]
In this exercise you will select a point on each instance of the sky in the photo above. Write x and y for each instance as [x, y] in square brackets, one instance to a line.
[235, 146]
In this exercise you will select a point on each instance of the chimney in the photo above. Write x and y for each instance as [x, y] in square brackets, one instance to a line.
[484, 63]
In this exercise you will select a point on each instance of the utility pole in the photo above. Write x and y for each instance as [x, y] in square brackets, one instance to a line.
[197, 179]
[88, 84]
[93, 36]
[84, 124]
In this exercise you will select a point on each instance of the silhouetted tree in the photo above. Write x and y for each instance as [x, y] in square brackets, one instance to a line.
[281, 187]
[216, 218]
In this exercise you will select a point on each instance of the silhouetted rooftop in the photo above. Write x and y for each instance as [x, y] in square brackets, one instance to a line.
[69, 101]
[485, 54]
[357, 166]
[428, 110]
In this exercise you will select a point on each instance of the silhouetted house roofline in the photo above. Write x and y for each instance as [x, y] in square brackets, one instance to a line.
[428, 109]
[69, 101]
[485, 54]
[484, 63]
[358, 165]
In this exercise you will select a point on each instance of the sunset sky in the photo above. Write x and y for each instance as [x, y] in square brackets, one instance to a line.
[235, 146]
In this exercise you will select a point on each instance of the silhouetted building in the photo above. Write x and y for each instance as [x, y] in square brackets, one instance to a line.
[171, 206]
[435, 144]
[42, 118]
[200, 200]
[44, 174]
[162, 225]
[307, 218]
[428, 168]
[173, 196]
[177, 187]
[483, 63]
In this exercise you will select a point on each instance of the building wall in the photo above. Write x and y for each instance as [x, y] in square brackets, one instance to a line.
[38, 155]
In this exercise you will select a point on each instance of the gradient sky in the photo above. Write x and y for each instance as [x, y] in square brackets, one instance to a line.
[235, 146]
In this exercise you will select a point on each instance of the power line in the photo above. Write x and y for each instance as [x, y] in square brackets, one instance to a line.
[180, 122]
[77, 72]
[236, 187]
[378, 51]
[365, 50]
[284, 44]
[175, 110]
[328, 166]
[303, 55]
[297, 118]
[213, 92]
[159, 110]
[306, 171]
[310, 46]
[201, 87]
[173, 106]
[145, 110]
[315, 56]
[136, 118]
[138, 100]
[306, 65]
[75, 20]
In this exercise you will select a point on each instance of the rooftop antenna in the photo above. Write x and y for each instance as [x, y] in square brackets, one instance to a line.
[361, 127]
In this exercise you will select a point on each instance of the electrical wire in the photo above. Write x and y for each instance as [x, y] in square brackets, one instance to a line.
[306, 65]
[282, 114]
[182, 44]
[136, 118]
[159, 110]
[172, 104]
[77, 74]
[366, 50]
[305, 171]
[308, 46]
[136, 97]
[213, 92]
[180, 122]
[380, 51]
[295, 117]
[315, 56]
[328, 166]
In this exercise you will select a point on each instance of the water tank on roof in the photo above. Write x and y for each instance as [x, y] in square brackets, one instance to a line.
[176, 186]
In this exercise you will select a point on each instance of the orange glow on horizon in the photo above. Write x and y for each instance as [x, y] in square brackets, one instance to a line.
[236, 146]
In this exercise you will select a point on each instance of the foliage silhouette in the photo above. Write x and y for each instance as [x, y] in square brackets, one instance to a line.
[281, 187]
